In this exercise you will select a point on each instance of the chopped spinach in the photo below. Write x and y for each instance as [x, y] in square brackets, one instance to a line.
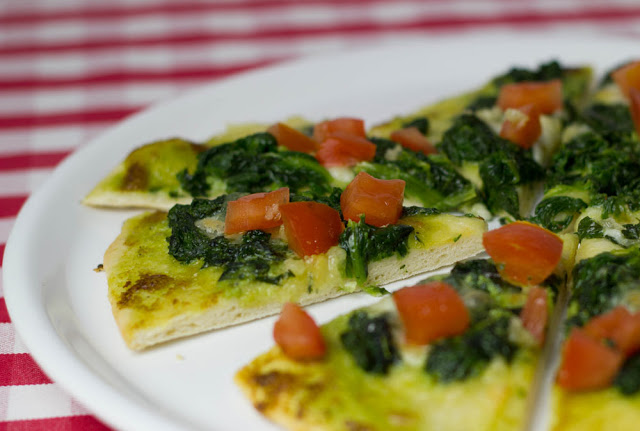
[187, 242]
[420, 123]
[545, 72]
[557, 212]
[500, 177]
[463, 356]
[413, 210]
[608, 165]
[503, 165]
[628, 378]
[482, 102]
[365, 243]
[631, 231]
[370, 342]
[589, 228]
[252, 257]
[608, 118]
[599, 282]
[469, 139]
[255, 164]
[432, 180]
[332, 199]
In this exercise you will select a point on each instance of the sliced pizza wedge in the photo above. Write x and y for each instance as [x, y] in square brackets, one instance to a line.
[458, 351]
[598, 380]
[214, 263]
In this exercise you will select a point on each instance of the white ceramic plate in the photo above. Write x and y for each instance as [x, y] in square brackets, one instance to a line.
[59, 304]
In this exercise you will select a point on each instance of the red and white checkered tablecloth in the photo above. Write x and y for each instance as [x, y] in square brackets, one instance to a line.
[69, 69]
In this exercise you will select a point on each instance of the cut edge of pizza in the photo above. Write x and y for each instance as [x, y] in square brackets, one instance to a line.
[212, 263]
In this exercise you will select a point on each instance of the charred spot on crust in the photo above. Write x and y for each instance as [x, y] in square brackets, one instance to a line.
[273, 383]
[357, 426]
[136, 178]
[148, 283]
[198, 148]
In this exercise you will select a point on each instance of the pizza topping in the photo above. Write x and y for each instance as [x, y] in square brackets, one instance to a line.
[457, 358]
[525, 254]
[599, 283]
[254, 164]
[297, 334]
[587, 363]
[522, 126]
[431, 311]
[556, 213]
[502, 165]
[365, 243]
[535, 313]
[628, 379]
[249, 257]
[380, 201]
[433, 181]
[292, 138]
[343, 125]
[546, 97]
[256, 211]
[413, 139]
[618, 326]
[342, 149]
[369, 341]
[311, 227]
[627, 77]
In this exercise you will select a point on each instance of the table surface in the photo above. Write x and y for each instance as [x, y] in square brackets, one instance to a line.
[70, 69]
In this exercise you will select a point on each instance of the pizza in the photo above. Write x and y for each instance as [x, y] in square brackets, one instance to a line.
[579, 250]
[185, 271]
[297, 154]
[215, 263]
[457, 351]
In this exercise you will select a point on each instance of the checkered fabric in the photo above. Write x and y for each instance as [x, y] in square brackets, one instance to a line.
[69, 69]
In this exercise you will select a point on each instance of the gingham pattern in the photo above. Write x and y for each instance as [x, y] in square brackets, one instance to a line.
[70, 68]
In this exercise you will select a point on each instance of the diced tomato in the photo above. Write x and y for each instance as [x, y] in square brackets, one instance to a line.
[345, 150]
[292, 138]
[545, 96]
[311, 227]
[431, 311]
[256, 211]
[618, 326]
[627, 77]
[634, 106]
[587, 363]
[525, 254]
[297, 334]
[523, 131]
[379, 200]
[535, 313]
[413, 139]
[349, 126]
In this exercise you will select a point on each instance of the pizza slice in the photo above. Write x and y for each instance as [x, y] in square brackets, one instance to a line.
[153, 175]
[214, 263]
[598, 380]
[458, 351]
[161, 174]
